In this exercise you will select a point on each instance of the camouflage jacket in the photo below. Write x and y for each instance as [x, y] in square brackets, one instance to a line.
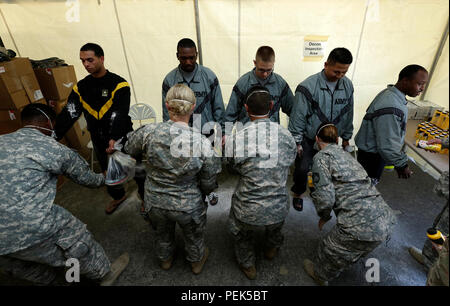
[342, 185]
[261, 197]
[441, 188]
[181, 165]
[30, 163]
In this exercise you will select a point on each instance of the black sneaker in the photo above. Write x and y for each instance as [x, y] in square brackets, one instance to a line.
[297, 203]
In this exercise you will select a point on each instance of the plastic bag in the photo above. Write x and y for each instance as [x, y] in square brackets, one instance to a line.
[121, 168]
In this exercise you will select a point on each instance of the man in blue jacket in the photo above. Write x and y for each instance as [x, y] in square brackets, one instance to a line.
[326, 96]
[261, 75]
[382, 133]
[204, 83]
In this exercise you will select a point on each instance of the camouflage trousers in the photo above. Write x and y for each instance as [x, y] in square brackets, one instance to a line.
[243, 235]
[430, 255]
[38, 262]
[339, 250]
[438, 274]
[192, 224]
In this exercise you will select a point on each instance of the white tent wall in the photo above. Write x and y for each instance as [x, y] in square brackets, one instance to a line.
[438, 87]
[383, 36]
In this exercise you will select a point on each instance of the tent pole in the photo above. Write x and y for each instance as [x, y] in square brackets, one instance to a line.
[125, 51]
[239, 38]
[197, 27]
[435, 61]
[10, 34]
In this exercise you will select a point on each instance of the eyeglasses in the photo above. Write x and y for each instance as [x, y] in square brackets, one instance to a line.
[264, 70]
[185, 58]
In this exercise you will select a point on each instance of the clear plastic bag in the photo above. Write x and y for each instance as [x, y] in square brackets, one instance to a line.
[121, 169]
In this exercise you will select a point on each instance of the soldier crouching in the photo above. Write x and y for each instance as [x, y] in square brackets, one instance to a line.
[36, 236]
[261, 198]
[364, 220]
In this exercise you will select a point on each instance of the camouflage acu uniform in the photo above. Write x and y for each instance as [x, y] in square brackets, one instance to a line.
[35, 234]
[181, 169]
[438, 275]
[261, 197]
[441, 222]
[364, 220]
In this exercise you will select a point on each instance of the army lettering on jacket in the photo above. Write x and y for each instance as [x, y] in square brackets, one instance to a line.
[261, 197]
[206, 88]
[181, 165]
[342, 185]
[315, 103]
[278, 88]
[383, 128]
[30, 163]
[105, 103]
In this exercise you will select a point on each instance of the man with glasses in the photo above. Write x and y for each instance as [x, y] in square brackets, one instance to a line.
[261, 75]
[326, 96]
[206, 88]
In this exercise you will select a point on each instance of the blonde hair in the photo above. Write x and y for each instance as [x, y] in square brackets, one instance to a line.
[180, 99]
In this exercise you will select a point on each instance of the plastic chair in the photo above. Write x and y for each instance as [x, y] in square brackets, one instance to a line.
[142, 112]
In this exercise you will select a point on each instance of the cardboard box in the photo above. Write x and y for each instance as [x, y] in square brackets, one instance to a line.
[18, 84]
[56, 83]
[78, 138]
[9, 121]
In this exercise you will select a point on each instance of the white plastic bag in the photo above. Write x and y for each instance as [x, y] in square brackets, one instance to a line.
[121, 169]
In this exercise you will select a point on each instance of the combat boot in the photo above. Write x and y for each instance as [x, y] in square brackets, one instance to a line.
[198, 266]
[308, 265]
[166, 264]
[270, 253]
[250, 272]
[416, 254]
[117, 267]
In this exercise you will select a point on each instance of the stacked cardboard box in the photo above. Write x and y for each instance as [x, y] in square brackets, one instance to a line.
[9, 121]
[56, 84]
[18, 87]
[18, 84]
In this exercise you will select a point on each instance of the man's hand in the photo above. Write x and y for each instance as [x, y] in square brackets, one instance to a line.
[404, 172]
[321, 223]
[299, 150]
[111, 149]
[345, 143]
[437, 247]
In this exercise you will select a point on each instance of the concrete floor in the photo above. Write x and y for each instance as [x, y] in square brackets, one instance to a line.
[125, 231]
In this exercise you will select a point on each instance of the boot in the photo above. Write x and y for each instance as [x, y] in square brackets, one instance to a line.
[250, 272]
[416, 254]
[270, 253]
[166, 264]
[198, 266]
[114, 204]
[117, 267]
[308, 265]
[297, 203]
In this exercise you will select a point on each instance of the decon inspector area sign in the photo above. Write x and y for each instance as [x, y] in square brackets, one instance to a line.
[314, 48]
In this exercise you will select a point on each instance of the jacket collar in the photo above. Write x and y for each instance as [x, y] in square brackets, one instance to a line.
[323, 82]
[196, 79]
[398, 93]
